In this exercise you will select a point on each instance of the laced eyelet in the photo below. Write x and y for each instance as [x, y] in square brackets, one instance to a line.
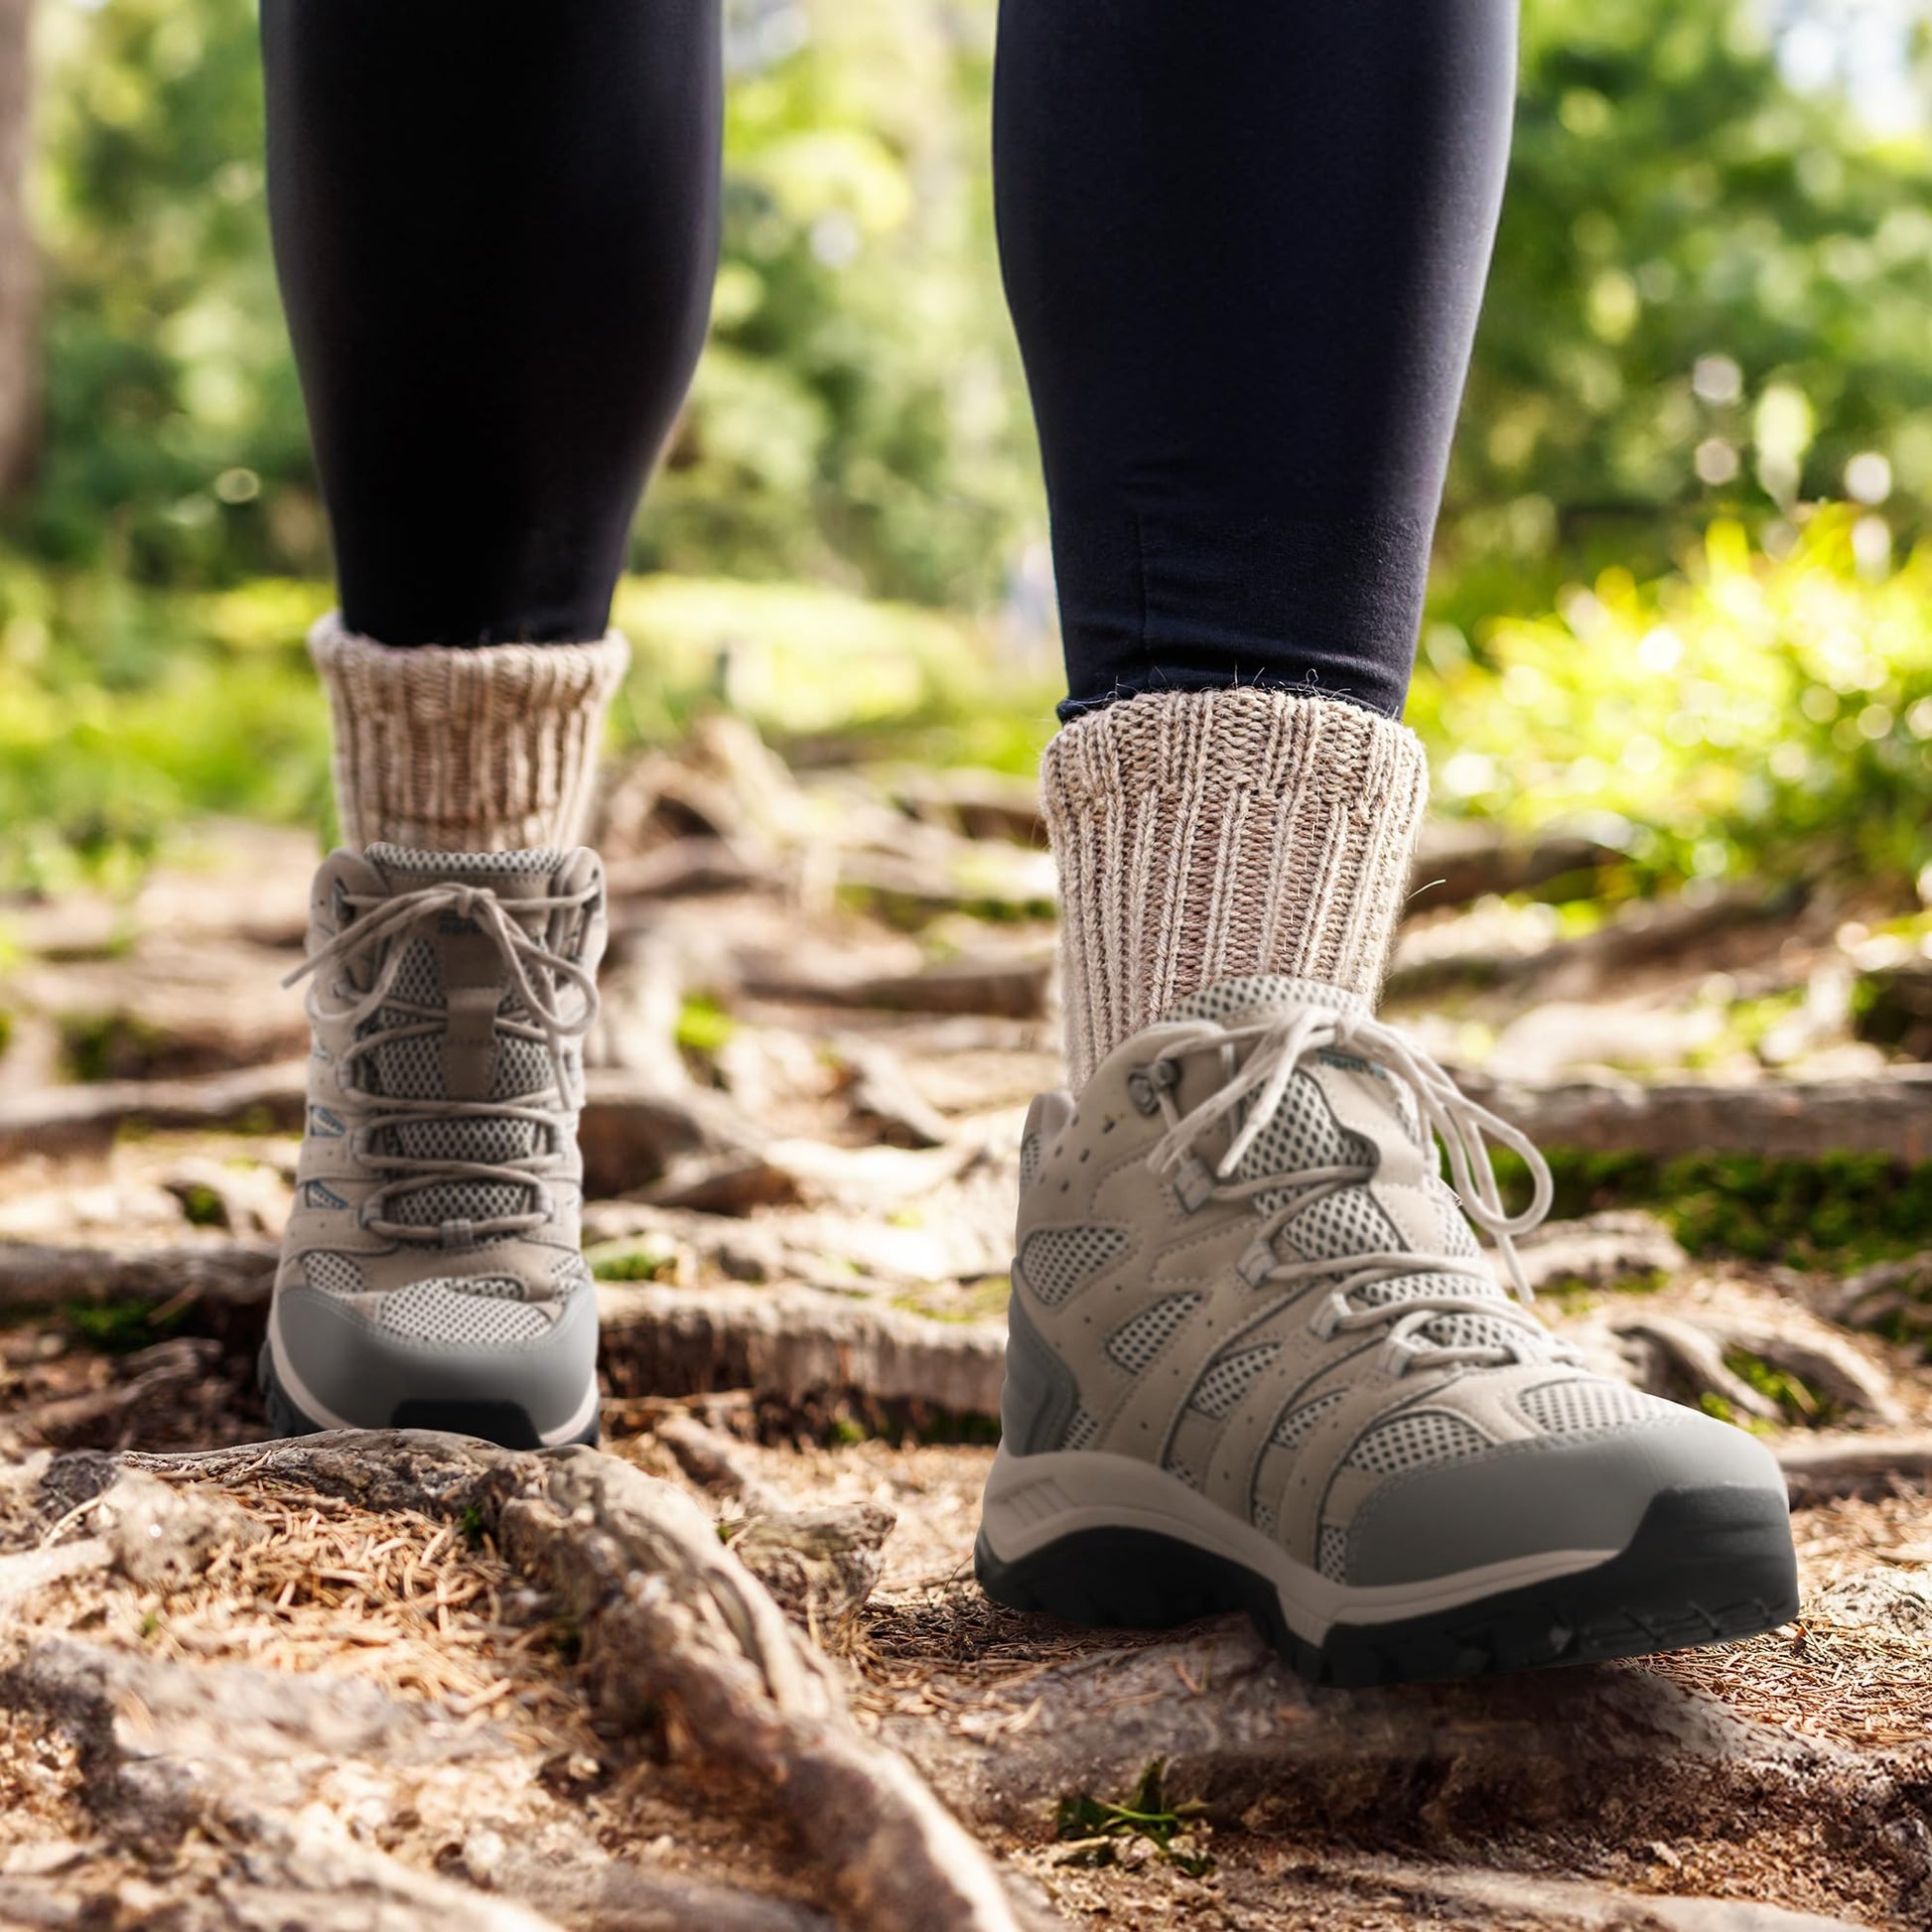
[1330, 1316]
[1145, 1084]
[1193, 1183]
[1256, 1264]
[1394, 1355]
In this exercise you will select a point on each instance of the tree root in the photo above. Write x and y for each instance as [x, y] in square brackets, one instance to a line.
[797, 1342]
[1818, 1469]
[676, 1629]
[1797, 1120]
[1566, 1906]
[1689, 1355]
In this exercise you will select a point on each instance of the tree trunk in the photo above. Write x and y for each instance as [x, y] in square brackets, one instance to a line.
[19, 266]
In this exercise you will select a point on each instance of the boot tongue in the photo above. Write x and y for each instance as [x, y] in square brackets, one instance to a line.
[1305, 1133]
[510, 874]
[1261, 996]
[451, 968]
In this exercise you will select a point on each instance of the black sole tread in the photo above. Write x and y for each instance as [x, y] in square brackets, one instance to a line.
[504, 1424]
[1704, 1567]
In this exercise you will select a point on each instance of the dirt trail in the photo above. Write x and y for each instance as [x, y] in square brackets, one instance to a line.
[732, 1671]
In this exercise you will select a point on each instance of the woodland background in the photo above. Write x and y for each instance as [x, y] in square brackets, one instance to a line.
[1673, 915]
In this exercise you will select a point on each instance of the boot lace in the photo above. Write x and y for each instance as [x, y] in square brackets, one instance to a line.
[530, 965]
[1257, 1083]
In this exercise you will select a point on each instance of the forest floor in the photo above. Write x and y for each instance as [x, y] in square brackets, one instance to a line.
[733, 1670]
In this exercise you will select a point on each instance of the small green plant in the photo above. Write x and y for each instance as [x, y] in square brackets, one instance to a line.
[703, 1026]
[469, 1525]
[1095, 1831]
[1796, 1401]
[203, 1206]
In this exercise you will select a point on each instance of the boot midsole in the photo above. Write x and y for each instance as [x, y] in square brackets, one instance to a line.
[1032, 1501]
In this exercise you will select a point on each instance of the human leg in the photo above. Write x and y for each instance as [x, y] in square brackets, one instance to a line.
[1244, 247]
[1256, 1359]
[496, 231]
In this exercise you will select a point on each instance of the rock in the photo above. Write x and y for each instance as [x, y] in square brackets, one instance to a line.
[821, 1566]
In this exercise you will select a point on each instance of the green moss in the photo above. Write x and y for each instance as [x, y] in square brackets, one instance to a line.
[1796, 1401]
[980, 1300]
[1837, 1212]
[633, 1261]
[1575, 1296]
[203, 1206]
[108, 1045]
[119, 1327]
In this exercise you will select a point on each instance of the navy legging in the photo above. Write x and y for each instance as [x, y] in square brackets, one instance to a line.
[1244, 245]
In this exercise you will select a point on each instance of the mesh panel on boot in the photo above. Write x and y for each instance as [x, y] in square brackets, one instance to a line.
[1415, 1438]
[1341, 1225]
[572, 1272]
[333, 1273]
[1136, 1344]
[487, 1313]
[1297, 1422]
[1030, 1160]
[1332, 1554]
[1566, 1408]
[1056, 1261]
[1227, 1378]
[1081, 1431]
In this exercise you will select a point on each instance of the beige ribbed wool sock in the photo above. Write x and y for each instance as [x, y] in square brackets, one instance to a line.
[487, 750]
[1202, 835]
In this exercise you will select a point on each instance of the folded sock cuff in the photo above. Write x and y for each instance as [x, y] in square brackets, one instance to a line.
[1207, 835]
[484, 749]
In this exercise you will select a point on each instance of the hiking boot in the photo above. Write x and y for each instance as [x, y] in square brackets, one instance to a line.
[430, 1276]
[1257, 1361]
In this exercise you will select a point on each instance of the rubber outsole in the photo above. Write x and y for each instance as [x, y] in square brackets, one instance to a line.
[1706, 1565]
[506, 1424]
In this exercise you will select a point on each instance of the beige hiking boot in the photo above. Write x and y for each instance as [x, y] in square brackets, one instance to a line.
[1256, 1360]
[430, 1276]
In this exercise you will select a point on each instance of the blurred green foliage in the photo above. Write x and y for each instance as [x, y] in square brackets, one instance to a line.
[1838, 1211]
[1708, 310]
[859, 417]
[1750, 716]
[1710, 295]
[1693, 257]
[175, 448]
